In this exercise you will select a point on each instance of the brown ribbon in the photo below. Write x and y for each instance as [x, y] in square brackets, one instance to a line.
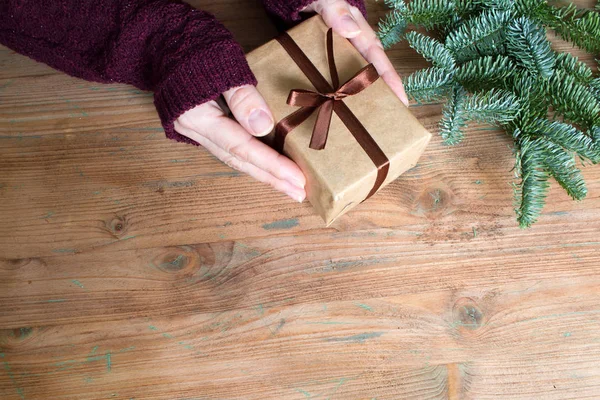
[325, 101]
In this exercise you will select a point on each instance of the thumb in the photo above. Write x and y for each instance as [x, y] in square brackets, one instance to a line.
[250, 109]
[337, 15]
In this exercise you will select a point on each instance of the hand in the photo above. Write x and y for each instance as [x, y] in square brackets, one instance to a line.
[236, 144]
[348, 21]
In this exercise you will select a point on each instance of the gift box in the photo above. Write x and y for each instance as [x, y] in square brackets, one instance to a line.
[336, 118]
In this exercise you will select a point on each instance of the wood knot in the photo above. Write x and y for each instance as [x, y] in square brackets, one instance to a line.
[15, 338]
[17, 263]
[117, 226]
[174, 260]
[434, 203]
[22, 333]
[467, 314]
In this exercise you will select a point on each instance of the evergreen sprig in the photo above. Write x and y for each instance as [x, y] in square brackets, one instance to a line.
[432, 50]
[485, 72]
[526, 42]
[479, 36]
[428, 85]
[492, 63]
[530, 194]
[454, 119]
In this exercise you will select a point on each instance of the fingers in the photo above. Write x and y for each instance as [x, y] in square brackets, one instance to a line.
[259, 174]
[233, 145]
[337, 15]
[371, 49]
[250, 109]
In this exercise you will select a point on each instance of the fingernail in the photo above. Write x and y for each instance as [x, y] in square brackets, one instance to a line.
[260, 122]
[349, 25]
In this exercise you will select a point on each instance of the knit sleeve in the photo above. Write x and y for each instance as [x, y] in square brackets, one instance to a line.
[182, 54]
[289, 10]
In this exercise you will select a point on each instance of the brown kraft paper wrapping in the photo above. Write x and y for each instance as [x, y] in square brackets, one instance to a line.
[340, 176]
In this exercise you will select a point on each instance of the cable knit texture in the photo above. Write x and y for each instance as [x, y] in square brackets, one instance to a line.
[182, 54]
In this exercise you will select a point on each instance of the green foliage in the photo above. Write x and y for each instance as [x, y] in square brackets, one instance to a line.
[492, 63]
[561, 166]
[595, 88]
[453, 116]
[582, 27]
[428, 85]
[480, 36]
[573, 100]
[496, 106]
[392, 28]
[432, 50]
[531, 193]
[430, 13]
[526, 42]
[485, 72]
[568, 137]
[570, 65]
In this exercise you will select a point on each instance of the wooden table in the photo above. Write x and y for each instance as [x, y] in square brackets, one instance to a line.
[134, 267]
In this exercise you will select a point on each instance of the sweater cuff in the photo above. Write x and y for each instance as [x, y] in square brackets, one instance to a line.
[289, 10]
[204, 77]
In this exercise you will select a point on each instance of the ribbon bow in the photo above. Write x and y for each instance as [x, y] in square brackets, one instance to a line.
[324, 101]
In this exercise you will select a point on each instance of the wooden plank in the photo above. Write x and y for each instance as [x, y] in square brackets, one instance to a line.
[290, 269]
[136, 267]
[133, 189]
[532, 337]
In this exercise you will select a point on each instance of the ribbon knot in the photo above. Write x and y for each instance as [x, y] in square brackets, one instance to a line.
[323, 101]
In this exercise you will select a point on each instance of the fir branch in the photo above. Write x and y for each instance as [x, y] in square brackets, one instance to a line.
[479, 36]
[531, 192]
[594, 133]
[453, 116]
[392, 28]
[431, 50]
[595, 88]
[532, 96]
[504, 5]
[536, 10]
[431, 14]
[573, 100]
[527, 43]
[494, 107]
[428, 85]
[581, 27]
[484, 72]
[572, 66]
[395, 4]
[561, 166]
[567, 136]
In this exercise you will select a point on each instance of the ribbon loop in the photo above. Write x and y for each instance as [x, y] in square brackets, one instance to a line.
[323, 102]
[326, 100]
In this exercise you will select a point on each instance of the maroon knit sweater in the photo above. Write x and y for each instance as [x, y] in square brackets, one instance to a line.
[184, 55]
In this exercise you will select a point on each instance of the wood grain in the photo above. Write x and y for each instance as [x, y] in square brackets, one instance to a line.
[133, 267]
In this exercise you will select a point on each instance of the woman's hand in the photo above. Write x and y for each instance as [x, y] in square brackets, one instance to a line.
[348, 21]
[235, 143]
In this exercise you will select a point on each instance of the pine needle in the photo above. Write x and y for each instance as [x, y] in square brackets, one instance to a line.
[431, 50]
[485, 72]
[531, 192]
[479, 36]
[428, 85]
[495, 106]
[453, 116]
[526, 42]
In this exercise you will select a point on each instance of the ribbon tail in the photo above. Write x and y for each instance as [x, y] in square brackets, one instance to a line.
[320, 133]
[288, 124]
